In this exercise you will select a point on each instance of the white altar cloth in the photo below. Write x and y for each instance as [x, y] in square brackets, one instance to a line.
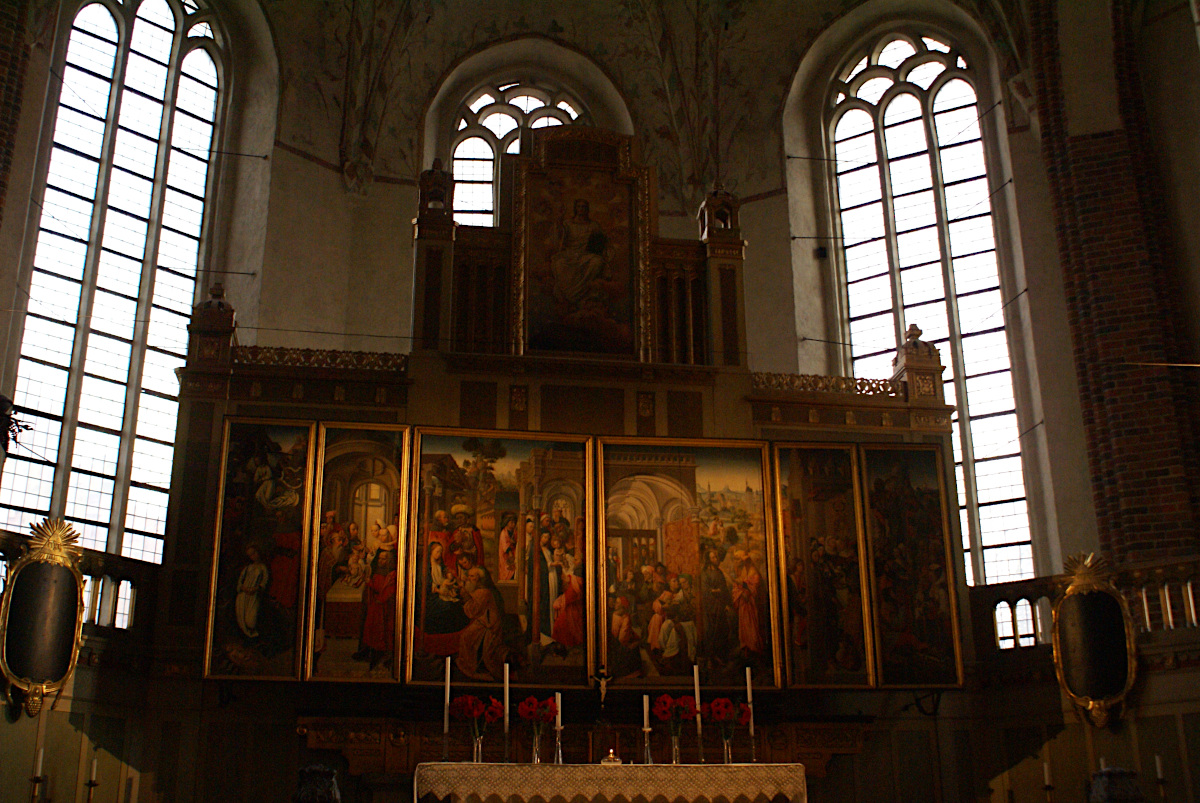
[460, 782]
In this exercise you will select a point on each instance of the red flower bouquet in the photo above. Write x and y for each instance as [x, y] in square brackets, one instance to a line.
[468, 706]
[675, 711]
[727, 714]
[538, 713]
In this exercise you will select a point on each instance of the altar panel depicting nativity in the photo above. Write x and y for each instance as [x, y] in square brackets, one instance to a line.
[688, 563]
[354, 604]
[500, 558]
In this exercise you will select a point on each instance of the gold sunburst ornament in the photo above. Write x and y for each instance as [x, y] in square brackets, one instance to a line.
[41, 615]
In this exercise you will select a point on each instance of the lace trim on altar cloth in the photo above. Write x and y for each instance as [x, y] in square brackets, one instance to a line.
[626, 783]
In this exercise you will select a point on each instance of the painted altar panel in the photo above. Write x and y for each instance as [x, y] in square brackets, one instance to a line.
[908, 540]
[355, 609]
[824, 565]
[255, 614]
[500, 557]
[689, 566]
[581, 225]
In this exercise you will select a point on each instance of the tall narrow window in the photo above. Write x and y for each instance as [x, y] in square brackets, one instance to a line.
[915, 217]
[119, 243]
[490, 123]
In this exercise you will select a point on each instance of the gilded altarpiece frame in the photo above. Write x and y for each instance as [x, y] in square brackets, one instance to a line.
[356, 606]
[581, 246]
[823, 557]
[914, 605]
[688, 563]
[260, 551]
[500, 558]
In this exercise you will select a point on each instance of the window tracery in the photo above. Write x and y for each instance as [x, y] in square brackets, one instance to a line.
[489, 123]
[123, 216]
[913, 201]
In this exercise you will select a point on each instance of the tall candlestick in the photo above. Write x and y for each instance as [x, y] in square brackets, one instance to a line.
[645, 711]
[93, 770]
[696, 689]
[1046, 773]
[1103, 763]
[558, 709]
[41, 755]
[1158, 772]
[446, 702]
[506, 696]
[750, 701]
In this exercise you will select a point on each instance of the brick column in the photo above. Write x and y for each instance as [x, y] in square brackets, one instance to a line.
[1122, 309]
[14, 56]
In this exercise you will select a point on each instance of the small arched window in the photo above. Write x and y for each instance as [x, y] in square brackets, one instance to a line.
[913, 197]
[489, 123]
[120, 238]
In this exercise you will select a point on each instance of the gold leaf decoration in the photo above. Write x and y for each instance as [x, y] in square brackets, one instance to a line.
[55, 537]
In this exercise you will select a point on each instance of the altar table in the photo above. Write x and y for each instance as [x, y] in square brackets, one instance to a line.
[456, 782]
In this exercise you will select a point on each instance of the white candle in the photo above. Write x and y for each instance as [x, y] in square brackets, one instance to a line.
[645, 712]
[558, 709]
[506, 696]
[750, 700]
[1158, 773]
[1103, 763]
[93, 769]
[41, 755]
[696, 689]
[446, 702]
[1046, 772]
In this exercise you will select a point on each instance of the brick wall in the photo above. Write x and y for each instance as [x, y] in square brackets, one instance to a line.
[14, 55]
[1122, 310]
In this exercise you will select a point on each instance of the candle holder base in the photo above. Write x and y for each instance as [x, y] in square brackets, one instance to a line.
[35, 785]
[1049, 790]
[91, 787]
[558, 744]
[647, 757]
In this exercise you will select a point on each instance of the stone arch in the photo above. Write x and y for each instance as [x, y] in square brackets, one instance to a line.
[523, 56]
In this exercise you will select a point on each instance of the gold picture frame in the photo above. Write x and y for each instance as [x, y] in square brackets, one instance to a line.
[909, 551]
[360, 514]
[260, 550]
[824, 590]
[660, 514]
[479, 500]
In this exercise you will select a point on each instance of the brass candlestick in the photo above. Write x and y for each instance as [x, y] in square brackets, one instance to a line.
[35, 783]
[91, 787]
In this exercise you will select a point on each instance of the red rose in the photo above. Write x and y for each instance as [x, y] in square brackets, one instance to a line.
[527, 708]
[494, 712]
[548, 710]
[663, 706]
[466, 706]
[687, 707]
[721, 709]
[743, 714]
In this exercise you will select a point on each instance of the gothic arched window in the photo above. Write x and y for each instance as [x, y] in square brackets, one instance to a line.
[913, 200]
[490, 123]
[119, 243]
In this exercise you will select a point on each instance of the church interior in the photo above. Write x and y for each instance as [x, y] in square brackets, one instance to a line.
[796, 353]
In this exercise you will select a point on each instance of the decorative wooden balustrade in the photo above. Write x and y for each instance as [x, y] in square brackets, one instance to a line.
[119, 592]
[1012, 620]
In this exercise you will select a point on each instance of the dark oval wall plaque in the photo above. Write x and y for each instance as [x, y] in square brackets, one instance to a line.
[40, 632]
[1093, 651]
[1094, 645]
[41, 615]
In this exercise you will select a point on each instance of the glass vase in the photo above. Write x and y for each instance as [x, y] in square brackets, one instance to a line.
[727, 745]
[537, 747]
[477, 749]
[674, 748]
